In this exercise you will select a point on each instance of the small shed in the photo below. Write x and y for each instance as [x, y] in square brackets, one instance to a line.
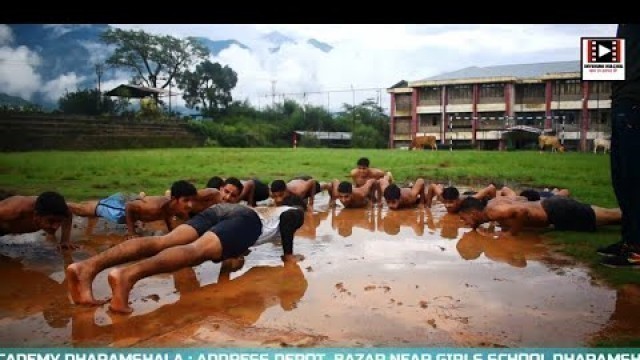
[327, 138]
[134, 91]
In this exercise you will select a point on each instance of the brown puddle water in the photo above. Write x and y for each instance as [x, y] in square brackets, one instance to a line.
[370, 278]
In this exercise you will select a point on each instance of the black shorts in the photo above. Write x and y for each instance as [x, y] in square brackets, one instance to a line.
[546, 194]
[260, 191]
[568, 214]
[237, 233]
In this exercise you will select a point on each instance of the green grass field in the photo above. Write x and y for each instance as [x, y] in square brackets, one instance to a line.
[94, 174]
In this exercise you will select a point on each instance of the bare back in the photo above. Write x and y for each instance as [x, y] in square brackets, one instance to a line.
[301, 187]
[151, 208]
[16, 215]
[204, 199]
[408, 197]
[514, 213]
[360, 177]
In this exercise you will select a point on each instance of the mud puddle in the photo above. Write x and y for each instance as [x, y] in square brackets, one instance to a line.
[370, 278]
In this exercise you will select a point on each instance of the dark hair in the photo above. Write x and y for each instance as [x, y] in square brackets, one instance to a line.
[363, 162]
[345, 187]
[182, 188]
[472, 203]
[295, 201]
[392, 192]
[530, 194]
[278, 185]
[6, 194]
[50, 203]
[235, 182]
[450, 193]
[215, 182]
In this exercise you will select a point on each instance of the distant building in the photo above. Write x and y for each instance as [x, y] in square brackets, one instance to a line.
[500, 107]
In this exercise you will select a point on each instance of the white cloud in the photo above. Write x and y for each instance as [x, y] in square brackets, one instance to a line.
[6, 35]
[17, 71]
[54, 89]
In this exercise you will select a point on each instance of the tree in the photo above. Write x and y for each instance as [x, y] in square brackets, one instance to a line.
[152, 57]
[209, 85]
[88, 102]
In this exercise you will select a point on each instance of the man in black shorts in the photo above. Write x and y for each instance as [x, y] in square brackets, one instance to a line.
[224, 232]
[513, 214]
[562, 212]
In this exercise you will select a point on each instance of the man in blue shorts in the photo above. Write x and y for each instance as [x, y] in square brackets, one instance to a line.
[122, 209]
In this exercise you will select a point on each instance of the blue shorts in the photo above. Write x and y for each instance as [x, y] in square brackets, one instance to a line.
[113, 208]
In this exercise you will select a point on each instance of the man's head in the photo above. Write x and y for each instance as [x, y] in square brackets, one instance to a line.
[363, 165]
[530, 194]
[451, 198]
[50, 211]
[345, 192]
[231, 190]
[182, 195]
[278, 191]
[471, 210]
[215, 182]
[392, 196]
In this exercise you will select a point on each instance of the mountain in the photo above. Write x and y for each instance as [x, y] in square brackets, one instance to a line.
[278, 39]
[8, 100]
[216, 46]
[320, 45]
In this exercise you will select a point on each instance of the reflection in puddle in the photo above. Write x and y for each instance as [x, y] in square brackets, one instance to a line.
[370, 278]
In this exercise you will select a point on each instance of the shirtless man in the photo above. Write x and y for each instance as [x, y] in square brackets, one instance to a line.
[233, 191]
[351, 197]
[401, 198]
[222, 233]
[306, 189]
[119, 209]
[27, 214]
[562, 212]
[363, 172]
[450, 196]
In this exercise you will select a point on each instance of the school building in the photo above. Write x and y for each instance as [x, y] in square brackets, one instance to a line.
[502, 107]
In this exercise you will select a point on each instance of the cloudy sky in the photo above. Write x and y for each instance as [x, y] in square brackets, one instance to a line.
[363, 57]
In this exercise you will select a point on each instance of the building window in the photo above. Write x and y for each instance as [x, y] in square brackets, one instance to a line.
[460, 120]
[403, 102]
[429, 123]
[430, 95]
[570, 89]
[530, 93]
[492, 93]
[599, 90]
[460, 94]
[402, 126]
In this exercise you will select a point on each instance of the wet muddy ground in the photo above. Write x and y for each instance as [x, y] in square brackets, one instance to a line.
[370, 278]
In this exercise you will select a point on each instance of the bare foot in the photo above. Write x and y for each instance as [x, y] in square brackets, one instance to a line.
[232, 264]
[120, 290]
[79, 286]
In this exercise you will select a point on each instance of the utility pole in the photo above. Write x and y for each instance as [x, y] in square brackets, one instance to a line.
[99, 72]
[273, 93]
[353, 112]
